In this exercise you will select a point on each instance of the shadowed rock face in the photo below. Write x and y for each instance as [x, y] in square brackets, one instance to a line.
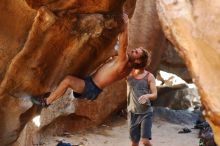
[129, 7]
[173, 63]
[39, 47]
[193, 27]
[77, 6]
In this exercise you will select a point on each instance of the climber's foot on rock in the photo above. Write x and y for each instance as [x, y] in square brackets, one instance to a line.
[41, 100]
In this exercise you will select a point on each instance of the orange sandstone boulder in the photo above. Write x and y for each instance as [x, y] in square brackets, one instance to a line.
[193, 27]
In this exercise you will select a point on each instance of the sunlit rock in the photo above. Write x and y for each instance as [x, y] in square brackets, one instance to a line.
[193, 28]
[175, 93]
[168, 79]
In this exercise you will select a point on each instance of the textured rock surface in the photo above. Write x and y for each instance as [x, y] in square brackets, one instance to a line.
[129, 7]
[32, 133]
[13, 38]
[178, 97]
[193, 27]
[171, 62]
[39, 47]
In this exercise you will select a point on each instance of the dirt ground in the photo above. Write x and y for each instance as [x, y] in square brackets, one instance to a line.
[115, 133]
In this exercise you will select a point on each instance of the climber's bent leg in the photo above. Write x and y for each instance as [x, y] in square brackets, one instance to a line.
[76, 84]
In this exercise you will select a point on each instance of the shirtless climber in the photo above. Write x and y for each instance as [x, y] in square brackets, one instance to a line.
[91, 86]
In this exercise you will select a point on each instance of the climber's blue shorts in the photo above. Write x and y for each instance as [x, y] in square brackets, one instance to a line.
[91, 90]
